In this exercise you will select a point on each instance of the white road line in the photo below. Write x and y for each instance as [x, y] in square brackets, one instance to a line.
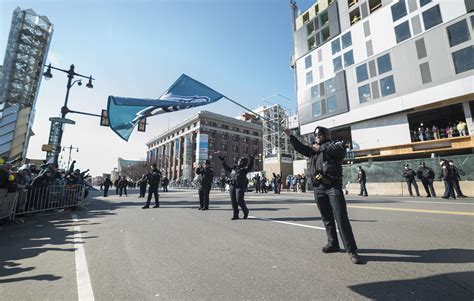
[84, 286]
[287, 223]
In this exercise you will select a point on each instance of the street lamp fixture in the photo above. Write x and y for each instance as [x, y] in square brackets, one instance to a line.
[89, 84]
[48, 75]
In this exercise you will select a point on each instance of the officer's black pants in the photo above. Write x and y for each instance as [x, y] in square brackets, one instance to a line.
[428, 185]
[332, 206]
[448, 188]
[106, 190]
[122, 190]
[142, 191]
[412, 182]
[457, 187]
[153, 190]
[363, 189]
[237, 199]
[204, 197]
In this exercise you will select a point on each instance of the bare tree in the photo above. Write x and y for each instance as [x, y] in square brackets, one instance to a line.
[135, 171]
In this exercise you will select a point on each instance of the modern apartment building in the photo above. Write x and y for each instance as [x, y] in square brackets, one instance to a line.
[379, 72]
[20, 78]
[205, 136]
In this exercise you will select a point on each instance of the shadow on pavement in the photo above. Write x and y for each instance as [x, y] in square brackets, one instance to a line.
[449, 286]
[422, 256]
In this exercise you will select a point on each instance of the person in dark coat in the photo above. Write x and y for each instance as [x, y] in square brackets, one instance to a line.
[164, 184]
[122, 184]
[142, 183]
[154, 179]
[447, 174]
[457, 177]
[326, 158]
[257, 180]
[362, 177]
[206, 175]
[107, 184]
[116, 184]
[409, 175]
[238, 183]
[426, 176]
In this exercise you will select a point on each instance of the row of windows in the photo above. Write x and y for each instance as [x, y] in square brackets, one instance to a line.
[458, 33]
[399, 10]
[383, 63]
[235, 148]
[346, 41]
[356, 14]
[371, 91]
[324, 106]
[348, 61]
[431, 17]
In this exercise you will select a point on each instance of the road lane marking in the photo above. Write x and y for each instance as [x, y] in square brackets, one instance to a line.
[287, 223]
[412, 210]
[84, 286]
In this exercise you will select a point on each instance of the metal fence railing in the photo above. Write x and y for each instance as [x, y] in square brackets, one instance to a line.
[32, 200]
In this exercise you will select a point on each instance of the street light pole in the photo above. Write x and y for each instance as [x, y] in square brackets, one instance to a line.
[70, 150]
[64, 110]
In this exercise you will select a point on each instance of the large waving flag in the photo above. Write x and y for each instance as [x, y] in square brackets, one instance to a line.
[125, 113]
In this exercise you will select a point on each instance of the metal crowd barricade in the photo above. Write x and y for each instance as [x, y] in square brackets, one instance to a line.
[37, 199]
[7, 203]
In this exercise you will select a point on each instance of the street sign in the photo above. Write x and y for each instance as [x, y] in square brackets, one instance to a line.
[62, 120]
[47, 147]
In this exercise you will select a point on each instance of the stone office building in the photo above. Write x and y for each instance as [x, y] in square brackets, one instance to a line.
[205, 136]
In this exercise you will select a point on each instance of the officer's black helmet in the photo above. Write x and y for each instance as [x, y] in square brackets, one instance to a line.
[324, 131]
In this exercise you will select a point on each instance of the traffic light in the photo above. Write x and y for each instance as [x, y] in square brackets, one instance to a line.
[104, 118]
[142, 125]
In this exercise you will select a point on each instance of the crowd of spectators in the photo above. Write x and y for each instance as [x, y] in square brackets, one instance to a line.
[452, 129]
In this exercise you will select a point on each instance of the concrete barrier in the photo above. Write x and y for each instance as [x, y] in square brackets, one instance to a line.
[400, 188]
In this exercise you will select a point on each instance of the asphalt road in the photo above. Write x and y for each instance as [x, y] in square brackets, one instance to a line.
[412, 248]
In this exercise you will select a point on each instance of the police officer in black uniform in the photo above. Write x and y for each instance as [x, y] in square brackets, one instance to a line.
[426, 176]
[142, 183]
[326, 172]
[362, 177]
[153, 178]
[456, 178]
[447, 174]
[238, 184]
[107, 184]
[409, 175]
[206, 175]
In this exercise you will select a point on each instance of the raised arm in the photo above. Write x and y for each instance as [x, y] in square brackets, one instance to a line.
[224, 165]
[335, 151]
[250, 165]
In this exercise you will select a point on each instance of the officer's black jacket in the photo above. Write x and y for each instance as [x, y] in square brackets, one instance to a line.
[408, 174]
[238, 175]
[446, 172]
[361, 175]
[327, 162]
[107, 182]
[206, 175]
[154, 178]
[425, 173]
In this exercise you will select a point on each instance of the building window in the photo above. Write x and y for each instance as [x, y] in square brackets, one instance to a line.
[402, 32]
[225, 126]
[337, 63]
[212, 135]
[235, 148]
[332, 104]
[309, 77]
[246, 149]
[424, 2]
[317, 109]
[235, 138]
[311, 43]
[325, 34]
[310, 28]
[384, 64]
[362, 74]
[348, 59]
[307, 62]
[245, 140]
[305, 17]
[255, 142]
[246, 132]
[354, 16]
[256, 134]
[336, 46]
[225, 136]
[324, 18]
[346, 40]
[315, 93]
[351, 3]
[458, 33]
[387, 85]
[399, 10]
[464, 59]
[224, 147]
[316, 9]
[212, 124]
[432, 17]
[364, 93]
[374, 5]
[330, 87]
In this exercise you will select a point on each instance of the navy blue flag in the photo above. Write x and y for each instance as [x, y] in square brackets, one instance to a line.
[125, 113]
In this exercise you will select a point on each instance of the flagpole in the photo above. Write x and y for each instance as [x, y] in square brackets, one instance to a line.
[256, 114]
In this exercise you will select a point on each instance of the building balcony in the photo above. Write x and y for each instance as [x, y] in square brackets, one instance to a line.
[415, 149]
